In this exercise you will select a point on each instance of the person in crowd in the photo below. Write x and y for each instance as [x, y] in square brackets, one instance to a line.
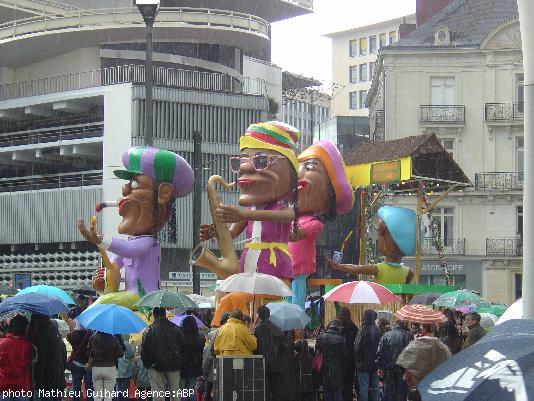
[426, 330]
[476, 332]
[234, 337]
[349, 332]
[247, 320]
[303, 366]
[389, 348]
[193, 347]
[82, 302]
[269, 337]
[383, 326]
[365, 347]
[334, 350]
[286, 358]
[162, 351]
[124, 369]
[208, 359]
[79, 340]
[15, 359]
[415, 329]
[49, 368]
[141, 377]
[450, 334]
[104, 351]
[418, 359]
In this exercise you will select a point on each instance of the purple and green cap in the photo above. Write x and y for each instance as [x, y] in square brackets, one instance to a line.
[160, 165]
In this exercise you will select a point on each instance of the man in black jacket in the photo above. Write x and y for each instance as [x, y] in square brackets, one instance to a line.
[269, 338]
[162, 353]
[391, 345]
[334, 349]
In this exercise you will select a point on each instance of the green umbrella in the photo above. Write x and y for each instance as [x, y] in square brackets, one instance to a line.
[495, 309]
[166, 299]
[458, 298]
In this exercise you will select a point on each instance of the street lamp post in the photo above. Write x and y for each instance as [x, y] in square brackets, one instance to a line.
[149, 10]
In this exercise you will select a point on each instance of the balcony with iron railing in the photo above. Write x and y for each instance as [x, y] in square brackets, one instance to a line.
[454, 246]
[499, 181]
[163, 76]
[51, 181]
[504, 246]
[504, 112]
[442, 115]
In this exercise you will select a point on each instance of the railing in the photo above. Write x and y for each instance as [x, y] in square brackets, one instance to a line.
[135, 74]
[45, 135]
[51, 181]
[504, 246]
[454, 246]
[442, 114]
[495, 112]
[499, 181]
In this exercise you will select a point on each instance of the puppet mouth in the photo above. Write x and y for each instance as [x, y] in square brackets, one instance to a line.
[121, 204]
[301, 184]
[245, 181]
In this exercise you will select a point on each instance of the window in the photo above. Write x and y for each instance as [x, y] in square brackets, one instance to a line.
[363, 46]
[520, 155]
[353, 74]
[392, 37]
[382, 40]
[372, 44]
[519, 91]
[448, 145]
[353, 48]
[443, 217]
[442, 90]
[518, 285]
[352, 100]
[363, 96]
[372, 70]
[363, 72]
[520, 221]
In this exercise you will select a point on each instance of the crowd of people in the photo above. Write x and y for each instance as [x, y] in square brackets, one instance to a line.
[375, 361]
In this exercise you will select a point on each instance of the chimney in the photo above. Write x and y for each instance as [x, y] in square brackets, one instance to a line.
[405, 29]
[425, 9]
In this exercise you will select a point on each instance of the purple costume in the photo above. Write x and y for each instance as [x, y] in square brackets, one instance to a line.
[266, 250]
[140, 257]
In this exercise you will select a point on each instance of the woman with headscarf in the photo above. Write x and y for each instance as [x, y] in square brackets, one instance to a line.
[365, 348]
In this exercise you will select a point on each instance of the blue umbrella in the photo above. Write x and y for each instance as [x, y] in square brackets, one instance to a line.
[499, 367]
[288, 316]
[111, 319]
[179, 321]
[49, 291]
[34, 303]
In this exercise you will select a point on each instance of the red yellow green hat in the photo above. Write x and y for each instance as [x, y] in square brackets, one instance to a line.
[274, 135]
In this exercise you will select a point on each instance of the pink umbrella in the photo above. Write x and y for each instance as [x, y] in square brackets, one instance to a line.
[360, 292]
[420, 314]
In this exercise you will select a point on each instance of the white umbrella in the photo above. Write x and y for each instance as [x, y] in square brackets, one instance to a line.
[255, 283]
[515, 311]
[488, 320]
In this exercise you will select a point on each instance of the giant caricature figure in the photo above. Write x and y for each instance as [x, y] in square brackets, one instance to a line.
[324, 192]
[396, 238]
[155, 177]
[267, 169]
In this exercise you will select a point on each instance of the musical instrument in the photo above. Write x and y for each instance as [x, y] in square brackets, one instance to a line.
[108, 282]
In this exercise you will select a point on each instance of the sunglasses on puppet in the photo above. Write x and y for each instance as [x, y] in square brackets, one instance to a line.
[260, 161]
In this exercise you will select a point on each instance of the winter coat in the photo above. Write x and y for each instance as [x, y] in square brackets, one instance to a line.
[208, 357]
[234, 338]
[450, 336]
[349, 333]
[365, 347]
[192, 361]
[104, 350]
[422, 355]
[162, 347]
[125, 364]
[303, 366]
[269, 338]
[332, 345]
[286, 378]
[49, 368]
[390, 346]
[140, 374]
[475, 334]
[15, 363]
[79, 339]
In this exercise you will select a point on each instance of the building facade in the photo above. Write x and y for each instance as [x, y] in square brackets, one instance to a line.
[72, 99]
[466, 86]
[354, 54]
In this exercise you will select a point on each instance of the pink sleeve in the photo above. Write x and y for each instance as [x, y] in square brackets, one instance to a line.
[312, 227]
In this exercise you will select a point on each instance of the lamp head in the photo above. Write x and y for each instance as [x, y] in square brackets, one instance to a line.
[148, 9]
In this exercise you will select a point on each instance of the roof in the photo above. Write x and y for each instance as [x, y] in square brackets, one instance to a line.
[296, 81]
[393, 22]
[429, 158]
[469, 22]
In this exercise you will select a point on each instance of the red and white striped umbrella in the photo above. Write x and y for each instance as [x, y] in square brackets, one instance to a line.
[420, 314]
[360, 292]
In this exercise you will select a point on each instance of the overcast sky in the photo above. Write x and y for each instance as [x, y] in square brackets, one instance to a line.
[298, 45]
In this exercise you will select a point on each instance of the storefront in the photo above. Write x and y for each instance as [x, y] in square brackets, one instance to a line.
[465, 273]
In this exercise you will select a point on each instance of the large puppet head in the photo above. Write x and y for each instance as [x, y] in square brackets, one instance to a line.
[268, 164]
[396, 231]
[323, 185]
[156, 177]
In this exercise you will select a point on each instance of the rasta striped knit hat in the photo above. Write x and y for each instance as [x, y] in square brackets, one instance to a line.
[160, 165]
[274, 135]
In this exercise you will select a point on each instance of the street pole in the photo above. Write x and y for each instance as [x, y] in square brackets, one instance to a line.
[149, 79]
[526, 10]
[197, 202]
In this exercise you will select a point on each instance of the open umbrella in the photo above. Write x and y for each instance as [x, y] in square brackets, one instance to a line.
[255, 283]
[495, 309]
[360, 292]
[420, 314]
[460, 298]
[34, 303]
[499, 367]
[111, 319]
[425, 299]
[166, 299]
[487, 320]
[515, 311]
[49, 291]
[287, 316]
[121, 298]
[179, 321]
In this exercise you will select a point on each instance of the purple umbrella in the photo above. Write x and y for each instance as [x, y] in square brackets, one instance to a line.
[179, 321]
